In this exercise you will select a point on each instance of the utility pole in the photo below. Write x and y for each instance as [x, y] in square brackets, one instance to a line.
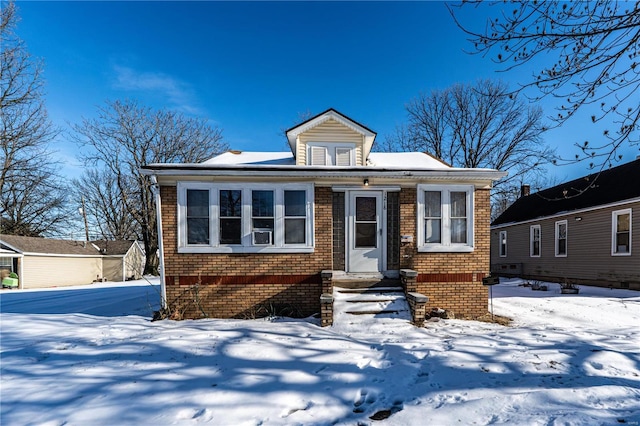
[86, 225]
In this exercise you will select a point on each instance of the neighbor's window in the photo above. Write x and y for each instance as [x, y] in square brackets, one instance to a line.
[244, 218]
[534, 241]
[621, 233]
[561, 238]
[445, 218]
[503, 243]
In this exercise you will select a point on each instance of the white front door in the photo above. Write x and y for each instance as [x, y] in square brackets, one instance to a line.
[365, 237]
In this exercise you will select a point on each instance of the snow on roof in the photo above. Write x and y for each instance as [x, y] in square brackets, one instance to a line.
[405, 160]
[400, 160]
[249, 157]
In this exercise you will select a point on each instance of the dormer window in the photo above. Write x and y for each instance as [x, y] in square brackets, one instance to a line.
[331, 154]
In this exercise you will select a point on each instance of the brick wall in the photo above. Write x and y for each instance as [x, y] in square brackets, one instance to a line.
[450, 280]
[236, 285]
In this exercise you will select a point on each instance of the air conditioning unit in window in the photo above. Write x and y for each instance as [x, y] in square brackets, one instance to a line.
[262, 237]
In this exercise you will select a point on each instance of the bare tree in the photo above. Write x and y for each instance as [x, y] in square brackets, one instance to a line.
[478, 125]
[126, 136]
[32, 195]
[589, 53]
[107, 215]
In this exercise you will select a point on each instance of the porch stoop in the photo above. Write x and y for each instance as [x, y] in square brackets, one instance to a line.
[371, 297]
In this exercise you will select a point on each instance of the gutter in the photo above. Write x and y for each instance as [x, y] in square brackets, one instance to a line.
[318, 171]
[156, 192]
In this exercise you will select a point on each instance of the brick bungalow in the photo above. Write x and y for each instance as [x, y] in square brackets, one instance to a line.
[256, 228]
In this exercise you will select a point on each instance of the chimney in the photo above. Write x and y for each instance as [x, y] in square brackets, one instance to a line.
[525, 190]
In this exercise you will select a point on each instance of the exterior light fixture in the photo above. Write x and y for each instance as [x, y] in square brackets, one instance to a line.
[366, 182]
[578, 219]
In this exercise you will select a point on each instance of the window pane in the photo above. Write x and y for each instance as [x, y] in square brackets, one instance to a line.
[622, 242]
[231, 231]
[231, 203]
[262, 203]
[197, 216]
[197, 230]
[458, 231]
[458, 204]
[263, 224]
[432, 206]
[562, 230]
[294, 231]
[366, 209]
[432, 231]
[366, 235]
[197, 203]
[294, 203]
[623, 222]
[562, 246]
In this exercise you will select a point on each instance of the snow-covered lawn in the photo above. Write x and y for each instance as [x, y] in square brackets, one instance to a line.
[90, 356]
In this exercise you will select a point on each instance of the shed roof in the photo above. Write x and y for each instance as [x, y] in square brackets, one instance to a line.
[114, 248]
[609, 186]
[48, 246]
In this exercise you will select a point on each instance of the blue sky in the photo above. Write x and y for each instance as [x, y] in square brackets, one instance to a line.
[253, 68]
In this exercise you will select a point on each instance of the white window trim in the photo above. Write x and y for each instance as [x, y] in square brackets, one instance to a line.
[247, 246]
[331, 151]
[557, 238]
[614, 222]
[531, 234]
[445, 246]
[500, 238]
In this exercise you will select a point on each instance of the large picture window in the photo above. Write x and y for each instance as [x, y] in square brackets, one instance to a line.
[621, 233]
[445, 218]
[241, 218]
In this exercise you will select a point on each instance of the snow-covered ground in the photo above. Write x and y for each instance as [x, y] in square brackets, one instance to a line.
[91, 356]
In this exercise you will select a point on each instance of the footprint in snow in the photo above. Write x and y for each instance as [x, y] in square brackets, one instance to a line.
[363, 400]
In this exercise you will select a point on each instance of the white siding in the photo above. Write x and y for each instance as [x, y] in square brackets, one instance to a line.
[53, 271]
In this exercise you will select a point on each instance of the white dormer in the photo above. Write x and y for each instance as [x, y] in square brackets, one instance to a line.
[330, 139]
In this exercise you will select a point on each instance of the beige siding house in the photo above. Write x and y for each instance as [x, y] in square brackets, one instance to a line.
[586, 231]
[249, 229]
[121, 260]
[43, 262]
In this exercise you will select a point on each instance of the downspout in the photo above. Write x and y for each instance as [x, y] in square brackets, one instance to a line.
[156, 192]
[21, 269]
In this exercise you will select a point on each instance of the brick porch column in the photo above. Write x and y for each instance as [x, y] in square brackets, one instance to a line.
[409, 279]
[326, 310]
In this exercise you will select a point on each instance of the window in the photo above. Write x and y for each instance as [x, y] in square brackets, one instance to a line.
[6, 263]
[230, 216]
[244, 218]
[343, 156]
[197, 216]
[561, 238]
[331, 154]
[503, 243]
[318, 156]
[534, 241]
[621, 233]
[445, 218]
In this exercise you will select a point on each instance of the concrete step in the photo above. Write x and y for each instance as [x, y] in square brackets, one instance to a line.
[356, 283]
[372, 290]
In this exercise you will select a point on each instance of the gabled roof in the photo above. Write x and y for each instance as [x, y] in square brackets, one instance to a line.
[292, 133]
[113, 248]
[48, 246]
[609, 186]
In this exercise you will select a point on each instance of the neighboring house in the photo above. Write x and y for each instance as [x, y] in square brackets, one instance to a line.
[121, 260]
[259, 227]
[585, 231]
[44, 262]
